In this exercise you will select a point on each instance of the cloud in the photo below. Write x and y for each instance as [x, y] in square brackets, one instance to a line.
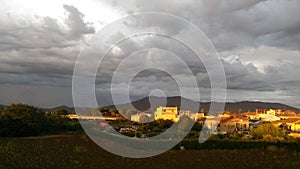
[40, 51]
[44, 46]
[258, 43]
[257, 70]
[75, 22]
[231, 24]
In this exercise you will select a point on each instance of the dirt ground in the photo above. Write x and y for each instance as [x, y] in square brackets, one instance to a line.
[78, 151]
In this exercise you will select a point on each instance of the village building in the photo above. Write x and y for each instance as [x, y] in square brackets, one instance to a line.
[166, 113]
[192, 116]
[289, 116]
[233, 124]
[254, 123]
[284, 112]
[212, 123]
[141, 118]
[292, 124]
[251, 115]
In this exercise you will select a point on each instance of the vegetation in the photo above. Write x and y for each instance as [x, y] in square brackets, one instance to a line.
[19, 120]
[268, 132]
[60, 112]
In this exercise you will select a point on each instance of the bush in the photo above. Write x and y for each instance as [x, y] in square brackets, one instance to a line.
[22, 120]
[268, 132]
[19, 120]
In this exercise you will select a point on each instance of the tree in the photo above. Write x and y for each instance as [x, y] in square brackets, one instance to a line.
[185, 123]
[60, 112]
[21, 120]
[268, 131]
[1, 108]
[197, 126]
[165, 124]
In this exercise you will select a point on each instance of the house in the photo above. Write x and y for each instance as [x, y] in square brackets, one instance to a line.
[263, 113]
[292, 124]
[275, 112]
[141, 118]
[270, 118]
[198, 116]
[166, 113]
[233, 124]
[296, 126]
[295, 134]
[288, 116]
[212, 123]
[187, 113]
[254, 123]
[284, 112]
[251, 115]
[192, 116]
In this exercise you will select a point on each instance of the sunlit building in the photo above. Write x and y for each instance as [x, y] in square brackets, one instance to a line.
[166, 113]
[141, 118]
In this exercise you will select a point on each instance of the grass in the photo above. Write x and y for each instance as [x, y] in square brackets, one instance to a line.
[78, 151]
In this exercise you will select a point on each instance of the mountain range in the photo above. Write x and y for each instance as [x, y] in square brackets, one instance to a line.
[144, 104]
[234, 107]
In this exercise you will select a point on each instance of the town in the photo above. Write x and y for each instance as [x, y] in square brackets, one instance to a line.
[226, 123]
[60, 133]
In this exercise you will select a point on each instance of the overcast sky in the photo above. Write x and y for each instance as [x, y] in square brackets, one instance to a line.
[258, 42]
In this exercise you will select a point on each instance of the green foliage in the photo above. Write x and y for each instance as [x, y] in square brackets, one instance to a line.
[60, 112]
[157, 126]
[1, 108]
[106, 112]
[268, 132]
[165, 124]
[197, 127]
[19, 120]
[184, 123]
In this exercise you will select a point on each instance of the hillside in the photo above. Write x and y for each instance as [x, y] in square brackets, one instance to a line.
[71, 110]
[235, 107]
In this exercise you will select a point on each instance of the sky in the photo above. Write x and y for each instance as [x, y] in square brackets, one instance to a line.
[258, 43]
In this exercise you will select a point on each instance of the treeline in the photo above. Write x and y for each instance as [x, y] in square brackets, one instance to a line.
[20, 120]
[193, 144]
[109, 112]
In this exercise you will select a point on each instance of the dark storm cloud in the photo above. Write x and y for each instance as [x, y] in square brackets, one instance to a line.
[258, 42]
[44, 33]
[231, 24]
[45, 47]
[40, 54]
[236, 26]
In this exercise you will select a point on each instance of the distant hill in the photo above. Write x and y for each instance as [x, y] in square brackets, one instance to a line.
[71, 110]
[144, 104]
[248, 105]
[235, 107]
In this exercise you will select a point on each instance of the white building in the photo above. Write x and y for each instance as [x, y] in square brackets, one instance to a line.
[141, 118]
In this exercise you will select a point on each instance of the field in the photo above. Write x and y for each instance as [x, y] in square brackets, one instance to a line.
[78, 151]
